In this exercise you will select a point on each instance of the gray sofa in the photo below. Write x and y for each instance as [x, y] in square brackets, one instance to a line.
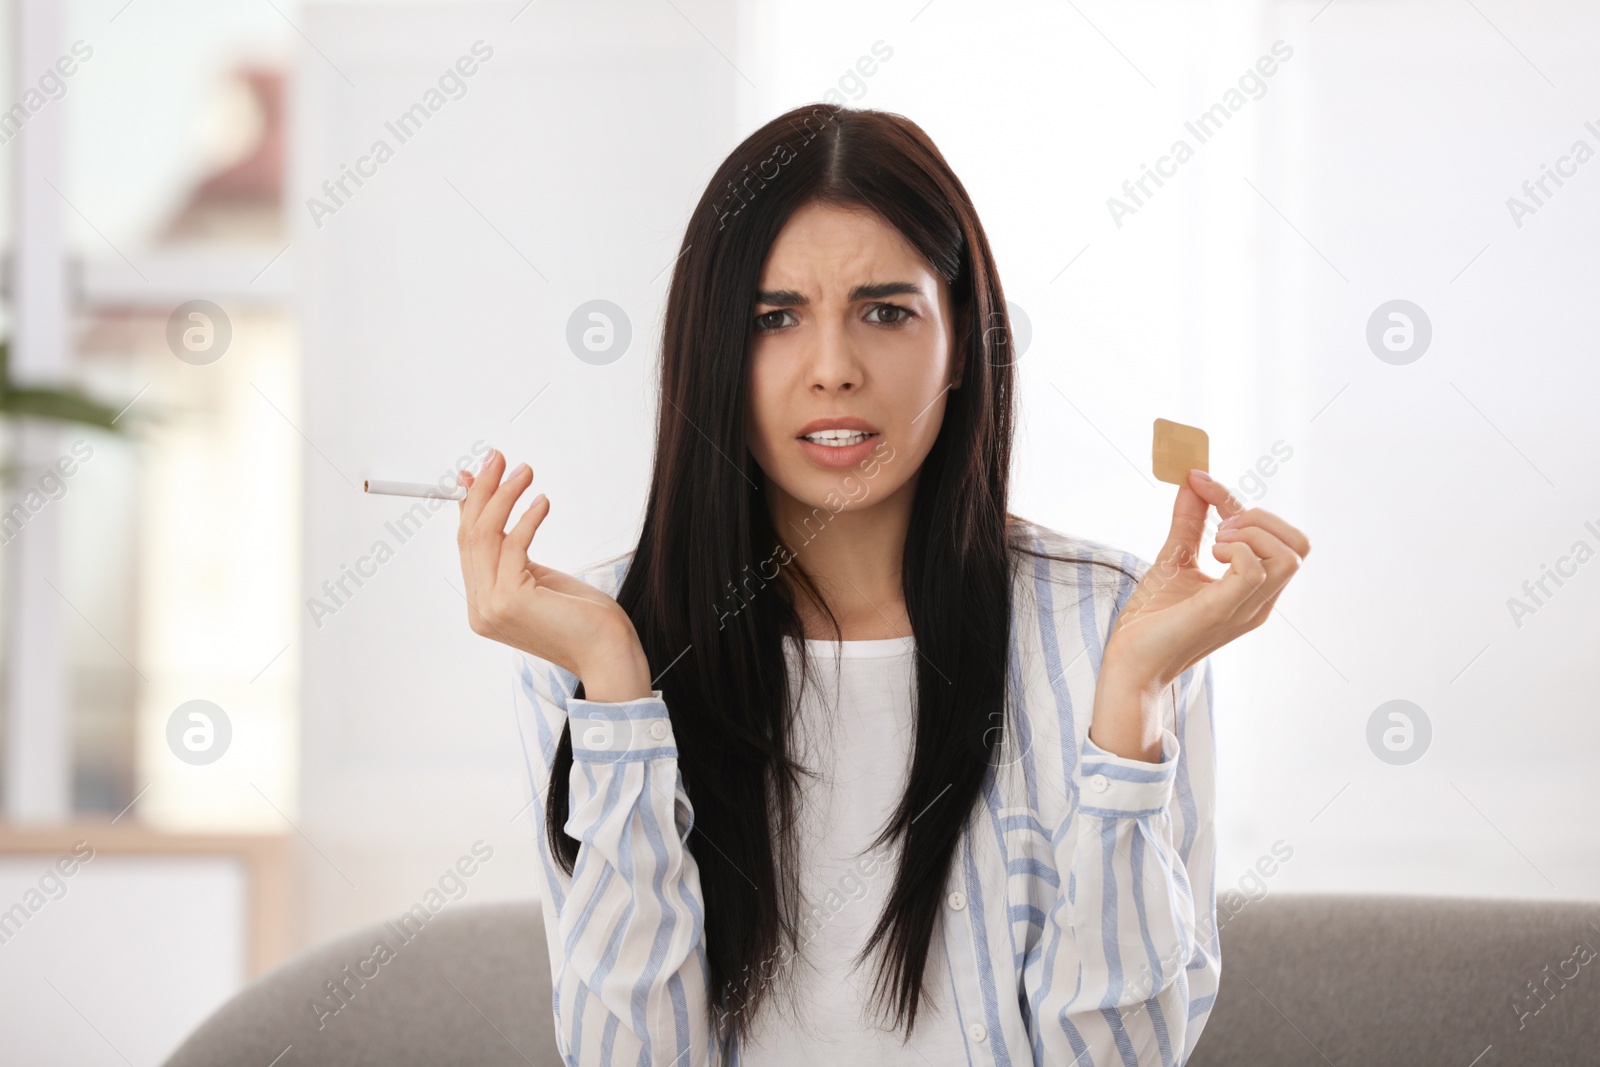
[1306, 980]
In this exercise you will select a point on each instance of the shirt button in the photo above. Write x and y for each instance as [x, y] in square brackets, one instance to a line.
[1099, 784]
[977, 1031]
[958, 900]
[658, 729]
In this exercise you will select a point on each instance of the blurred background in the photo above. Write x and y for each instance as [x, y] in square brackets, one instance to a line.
[259, 251]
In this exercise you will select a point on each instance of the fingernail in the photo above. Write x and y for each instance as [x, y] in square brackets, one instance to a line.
[1204, 477]
[517, 473]
[540, 499]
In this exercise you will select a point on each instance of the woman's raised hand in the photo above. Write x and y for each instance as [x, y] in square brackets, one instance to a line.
[1177, 615]
[520, 603]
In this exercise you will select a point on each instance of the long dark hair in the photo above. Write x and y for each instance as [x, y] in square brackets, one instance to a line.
[707, 533]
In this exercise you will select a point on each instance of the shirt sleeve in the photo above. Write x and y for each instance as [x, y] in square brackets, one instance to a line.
[625, 929]
[1141, 983]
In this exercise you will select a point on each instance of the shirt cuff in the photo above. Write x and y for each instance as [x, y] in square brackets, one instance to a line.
[621, 731]
[1124, 788]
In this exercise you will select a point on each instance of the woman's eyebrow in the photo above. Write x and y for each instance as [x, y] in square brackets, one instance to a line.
[790, 298]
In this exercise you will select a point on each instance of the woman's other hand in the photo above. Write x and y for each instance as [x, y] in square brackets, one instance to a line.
[535, 608]
[1177, 615]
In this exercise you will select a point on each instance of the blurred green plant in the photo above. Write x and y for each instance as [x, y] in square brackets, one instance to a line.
[60, 404]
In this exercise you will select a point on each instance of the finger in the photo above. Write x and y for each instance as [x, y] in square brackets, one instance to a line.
[1241, 583]
[1188, 523]
[492, 519]
[463, 478]
[482, 487]
[479, 488]
[514, 559]
[1215, 494]
[1289, 535]
[488, 533]
[1279, 559]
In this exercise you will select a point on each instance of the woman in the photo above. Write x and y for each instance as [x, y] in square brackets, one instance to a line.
[992, 795]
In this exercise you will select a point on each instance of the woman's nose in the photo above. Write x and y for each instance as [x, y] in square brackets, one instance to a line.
[834, 365]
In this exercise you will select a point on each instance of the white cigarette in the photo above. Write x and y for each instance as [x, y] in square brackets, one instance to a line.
[458, 492]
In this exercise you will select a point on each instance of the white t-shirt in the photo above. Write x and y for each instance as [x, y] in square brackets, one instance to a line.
[856, 727]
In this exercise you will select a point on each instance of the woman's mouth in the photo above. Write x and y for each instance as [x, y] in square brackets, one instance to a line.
[837, 448]
[837, 438]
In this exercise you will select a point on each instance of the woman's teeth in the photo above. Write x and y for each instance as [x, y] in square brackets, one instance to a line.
[837, 438]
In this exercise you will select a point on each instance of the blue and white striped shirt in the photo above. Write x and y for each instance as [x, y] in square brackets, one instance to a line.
[1081, 918]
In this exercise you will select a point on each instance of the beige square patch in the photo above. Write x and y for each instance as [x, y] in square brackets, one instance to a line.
[1179, 449]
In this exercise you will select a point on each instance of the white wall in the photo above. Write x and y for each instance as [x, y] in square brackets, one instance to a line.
[121, 958]
[1213, 304]
[1439, 487]
[1236, 299]
[435, 306]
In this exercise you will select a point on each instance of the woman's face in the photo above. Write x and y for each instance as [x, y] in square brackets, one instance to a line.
[852, 330]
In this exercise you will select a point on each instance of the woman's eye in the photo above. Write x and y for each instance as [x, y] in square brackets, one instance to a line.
[765, 322]
[899, 316]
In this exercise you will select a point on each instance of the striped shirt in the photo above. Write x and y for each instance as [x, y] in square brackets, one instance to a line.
[1080, 919]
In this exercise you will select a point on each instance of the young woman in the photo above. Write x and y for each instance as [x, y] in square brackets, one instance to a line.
[842, 738]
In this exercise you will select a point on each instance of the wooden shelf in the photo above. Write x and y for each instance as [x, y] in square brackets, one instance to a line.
[265, 858]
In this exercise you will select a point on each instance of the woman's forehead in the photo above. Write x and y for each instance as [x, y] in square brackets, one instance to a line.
[828, 250]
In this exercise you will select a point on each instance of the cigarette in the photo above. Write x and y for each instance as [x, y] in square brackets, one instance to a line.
[458, 492]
